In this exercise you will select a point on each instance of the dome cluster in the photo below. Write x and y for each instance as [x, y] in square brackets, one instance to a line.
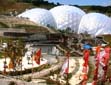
[65, 16]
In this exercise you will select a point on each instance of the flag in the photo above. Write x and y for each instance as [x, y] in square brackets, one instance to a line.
[65, 67]
[86, 55]
[105, 59]
[107, 55]
[37, 56]
[98, 48]
[107, 49]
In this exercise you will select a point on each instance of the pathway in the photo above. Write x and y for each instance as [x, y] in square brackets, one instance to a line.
[76, 78]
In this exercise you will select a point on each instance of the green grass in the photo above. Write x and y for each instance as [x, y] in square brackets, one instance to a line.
[24, 26]
[3, 25]
[90, 73]
[107, 38]
[1, 55]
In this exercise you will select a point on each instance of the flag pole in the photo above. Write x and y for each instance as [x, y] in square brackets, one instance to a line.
[67, 80]
[32, 62]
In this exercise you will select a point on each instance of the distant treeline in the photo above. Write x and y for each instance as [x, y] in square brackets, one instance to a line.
[48, 5]
[101, 9]
[45, 4]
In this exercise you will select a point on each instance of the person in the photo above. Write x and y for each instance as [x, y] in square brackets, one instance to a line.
[11, 65]
[5, 67]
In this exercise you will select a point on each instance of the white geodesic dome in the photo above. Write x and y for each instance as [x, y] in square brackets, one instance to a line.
[67, 16]
[95, 24]
[40, 16]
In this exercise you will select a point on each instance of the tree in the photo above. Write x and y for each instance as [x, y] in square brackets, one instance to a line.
[15, 51]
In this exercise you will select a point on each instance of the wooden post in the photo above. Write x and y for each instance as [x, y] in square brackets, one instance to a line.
[5, 66]
[32, 63]
[21, 64]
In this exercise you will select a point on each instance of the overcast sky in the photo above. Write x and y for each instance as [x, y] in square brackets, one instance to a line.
[83, 2]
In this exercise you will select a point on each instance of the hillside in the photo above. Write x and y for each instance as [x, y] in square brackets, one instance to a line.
[19, 7]
[22, 5]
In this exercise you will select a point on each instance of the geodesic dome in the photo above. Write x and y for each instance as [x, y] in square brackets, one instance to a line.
[67, 16]
[40, 16]
[95, 24]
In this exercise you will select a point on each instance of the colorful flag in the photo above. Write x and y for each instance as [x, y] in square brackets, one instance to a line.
[37, 56]
[98, 48]
[65, 67]
[107, 49]
[107, 55]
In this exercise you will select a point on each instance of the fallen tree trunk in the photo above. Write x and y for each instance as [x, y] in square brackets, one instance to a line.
[45, 72]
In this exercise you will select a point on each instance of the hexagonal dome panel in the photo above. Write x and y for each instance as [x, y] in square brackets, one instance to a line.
[95, 24]
[67, 16]
[40, 16]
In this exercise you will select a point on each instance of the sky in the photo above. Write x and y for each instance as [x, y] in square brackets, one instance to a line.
[83, 2]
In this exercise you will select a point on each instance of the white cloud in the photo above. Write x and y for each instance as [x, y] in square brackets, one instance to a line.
[108, 3]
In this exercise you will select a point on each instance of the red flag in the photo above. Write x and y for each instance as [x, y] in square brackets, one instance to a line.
[98, 49]
[107, 55]
[86, 55]
[37, 56]
[107, 49]
[96, 72]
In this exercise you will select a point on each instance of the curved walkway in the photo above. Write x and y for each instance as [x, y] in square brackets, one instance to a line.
[75, 79]
[45, 71]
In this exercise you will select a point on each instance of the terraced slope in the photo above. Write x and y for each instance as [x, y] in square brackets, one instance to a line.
[14, 21]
